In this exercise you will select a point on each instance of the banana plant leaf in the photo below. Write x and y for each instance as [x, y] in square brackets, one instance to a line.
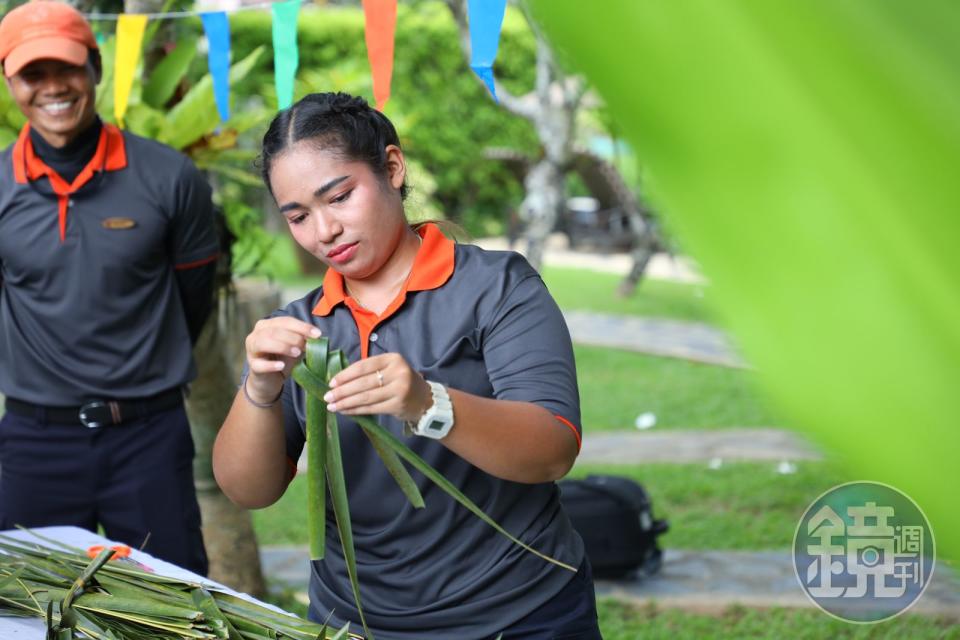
[168, 73]
[196, 114]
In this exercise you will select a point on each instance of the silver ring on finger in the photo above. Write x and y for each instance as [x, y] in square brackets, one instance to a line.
[379, 377]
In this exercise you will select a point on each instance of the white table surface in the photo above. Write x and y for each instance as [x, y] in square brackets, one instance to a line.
[13, 628]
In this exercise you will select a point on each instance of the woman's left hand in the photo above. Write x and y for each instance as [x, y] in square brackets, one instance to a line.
[384, 384]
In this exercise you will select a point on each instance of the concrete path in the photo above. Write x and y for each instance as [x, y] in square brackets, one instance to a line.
[656, 336]
[662, 266]
[710, 581]
[702, 581]
[694, 445]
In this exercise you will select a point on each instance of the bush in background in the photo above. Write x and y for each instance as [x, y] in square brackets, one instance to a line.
[444, 115]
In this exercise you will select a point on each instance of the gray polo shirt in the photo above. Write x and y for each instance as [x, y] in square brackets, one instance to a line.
[89, 306]
[493, 330]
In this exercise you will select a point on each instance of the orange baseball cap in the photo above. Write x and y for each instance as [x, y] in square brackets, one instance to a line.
[44, 29]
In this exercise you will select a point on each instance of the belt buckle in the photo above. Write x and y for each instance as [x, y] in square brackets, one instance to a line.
[87, 414]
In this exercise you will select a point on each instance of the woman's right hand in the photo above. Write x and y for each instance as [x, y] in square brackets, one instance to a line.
[273, 348]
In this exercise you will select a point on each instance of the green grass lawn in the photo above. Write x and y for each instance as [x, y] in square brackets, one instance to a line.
[742, 506]
[620, 621]
[617, 386]
[738, 506]
[597, 291]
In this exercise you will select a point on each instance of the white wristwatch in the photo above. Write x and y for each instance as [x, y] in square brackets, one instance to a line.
[438, 420]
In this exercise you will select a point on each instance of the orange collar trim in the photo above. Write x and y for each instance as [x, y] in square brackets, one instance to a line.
[111, 155]
[432, 267]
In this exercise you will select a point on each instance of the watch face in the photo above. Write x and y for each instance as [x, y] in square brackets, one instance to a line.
[436, 425]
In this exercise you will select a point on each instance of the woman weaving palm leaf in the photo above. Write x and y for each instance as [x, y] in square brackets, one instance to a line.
[461, 352]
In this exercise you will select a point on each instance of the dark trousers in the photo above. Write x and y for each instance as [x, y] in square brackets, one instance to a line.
[570, 615]
[134, 479]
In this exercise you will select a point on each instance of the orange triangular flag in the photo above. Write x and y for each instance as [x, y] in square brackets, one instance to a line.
[381, 22]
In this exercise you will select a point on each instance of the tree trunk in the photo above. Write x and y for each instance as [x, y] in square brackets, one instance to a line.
[641, 255]
[646, 242]
[552, 108]
[227, 529]
[544, 196]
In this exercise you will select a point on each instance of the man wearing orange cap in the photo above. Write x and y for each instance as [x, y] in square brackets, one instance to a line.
[107, 253]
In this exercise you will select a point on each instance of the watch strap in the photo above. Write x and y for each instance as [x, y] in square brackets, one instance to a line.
[438, 419]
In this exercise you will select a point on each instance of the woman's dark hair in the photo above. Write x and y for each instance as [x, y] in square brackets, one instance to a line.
[336, 122]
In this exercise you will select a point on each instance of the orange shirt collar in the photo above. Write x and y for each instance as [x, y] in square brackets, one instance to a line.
[432, 267]
[111, 154]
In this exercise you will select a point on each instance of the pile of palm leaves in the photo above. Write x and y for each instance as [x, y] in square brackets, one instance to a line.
[325, 465]
[121, 601]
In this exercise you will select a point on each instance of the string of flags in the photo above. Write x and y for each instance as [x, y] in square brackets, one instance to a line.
[380, 19]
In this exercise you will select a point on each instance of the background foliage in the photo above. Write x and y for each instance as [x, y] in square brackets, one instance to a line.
[444, 116]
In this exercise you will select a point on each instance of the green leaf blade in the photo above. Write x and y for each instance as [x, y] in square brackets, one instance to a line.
[168, 74]
[437, 478]
[341, 509]
[395, 467]
[196, 114]
[316, 476]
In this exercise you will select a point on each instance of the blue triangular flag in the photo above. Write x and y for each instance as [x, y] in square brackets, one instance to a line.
[217, 28]
[486, 20]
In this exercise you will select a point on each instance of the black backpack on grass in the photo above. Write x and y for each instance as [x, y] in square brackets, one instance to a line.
[614, 517]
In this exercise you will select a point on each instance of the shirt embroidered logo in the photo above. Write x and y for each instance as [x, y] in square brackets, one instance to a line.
[118, 223]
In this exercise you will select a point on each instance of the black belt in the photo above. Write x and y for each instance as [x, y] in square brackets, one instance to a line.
[98, 413]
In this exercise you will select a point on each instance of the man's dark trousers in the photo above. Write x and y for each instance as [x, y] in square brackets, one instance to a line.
[134, 479]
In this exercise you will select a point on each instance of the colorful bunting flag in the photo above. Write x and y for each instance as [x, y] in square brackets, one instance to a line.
[217, 28]
[286, 56]
[380, 24]
[130, 28]
[486, 20]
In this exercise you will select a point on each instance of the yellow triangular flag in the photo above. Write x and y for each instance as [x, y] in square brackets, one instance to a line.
[130, 28]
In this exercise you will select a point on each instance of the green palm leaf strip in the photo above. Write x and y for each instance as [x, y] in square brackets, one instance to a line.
[447, 486]
[204, 601]
[313, 375]
[316, 359]
[67, 617]
[392, 462]
[314, 382]
[338, 493]
[119, 600]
